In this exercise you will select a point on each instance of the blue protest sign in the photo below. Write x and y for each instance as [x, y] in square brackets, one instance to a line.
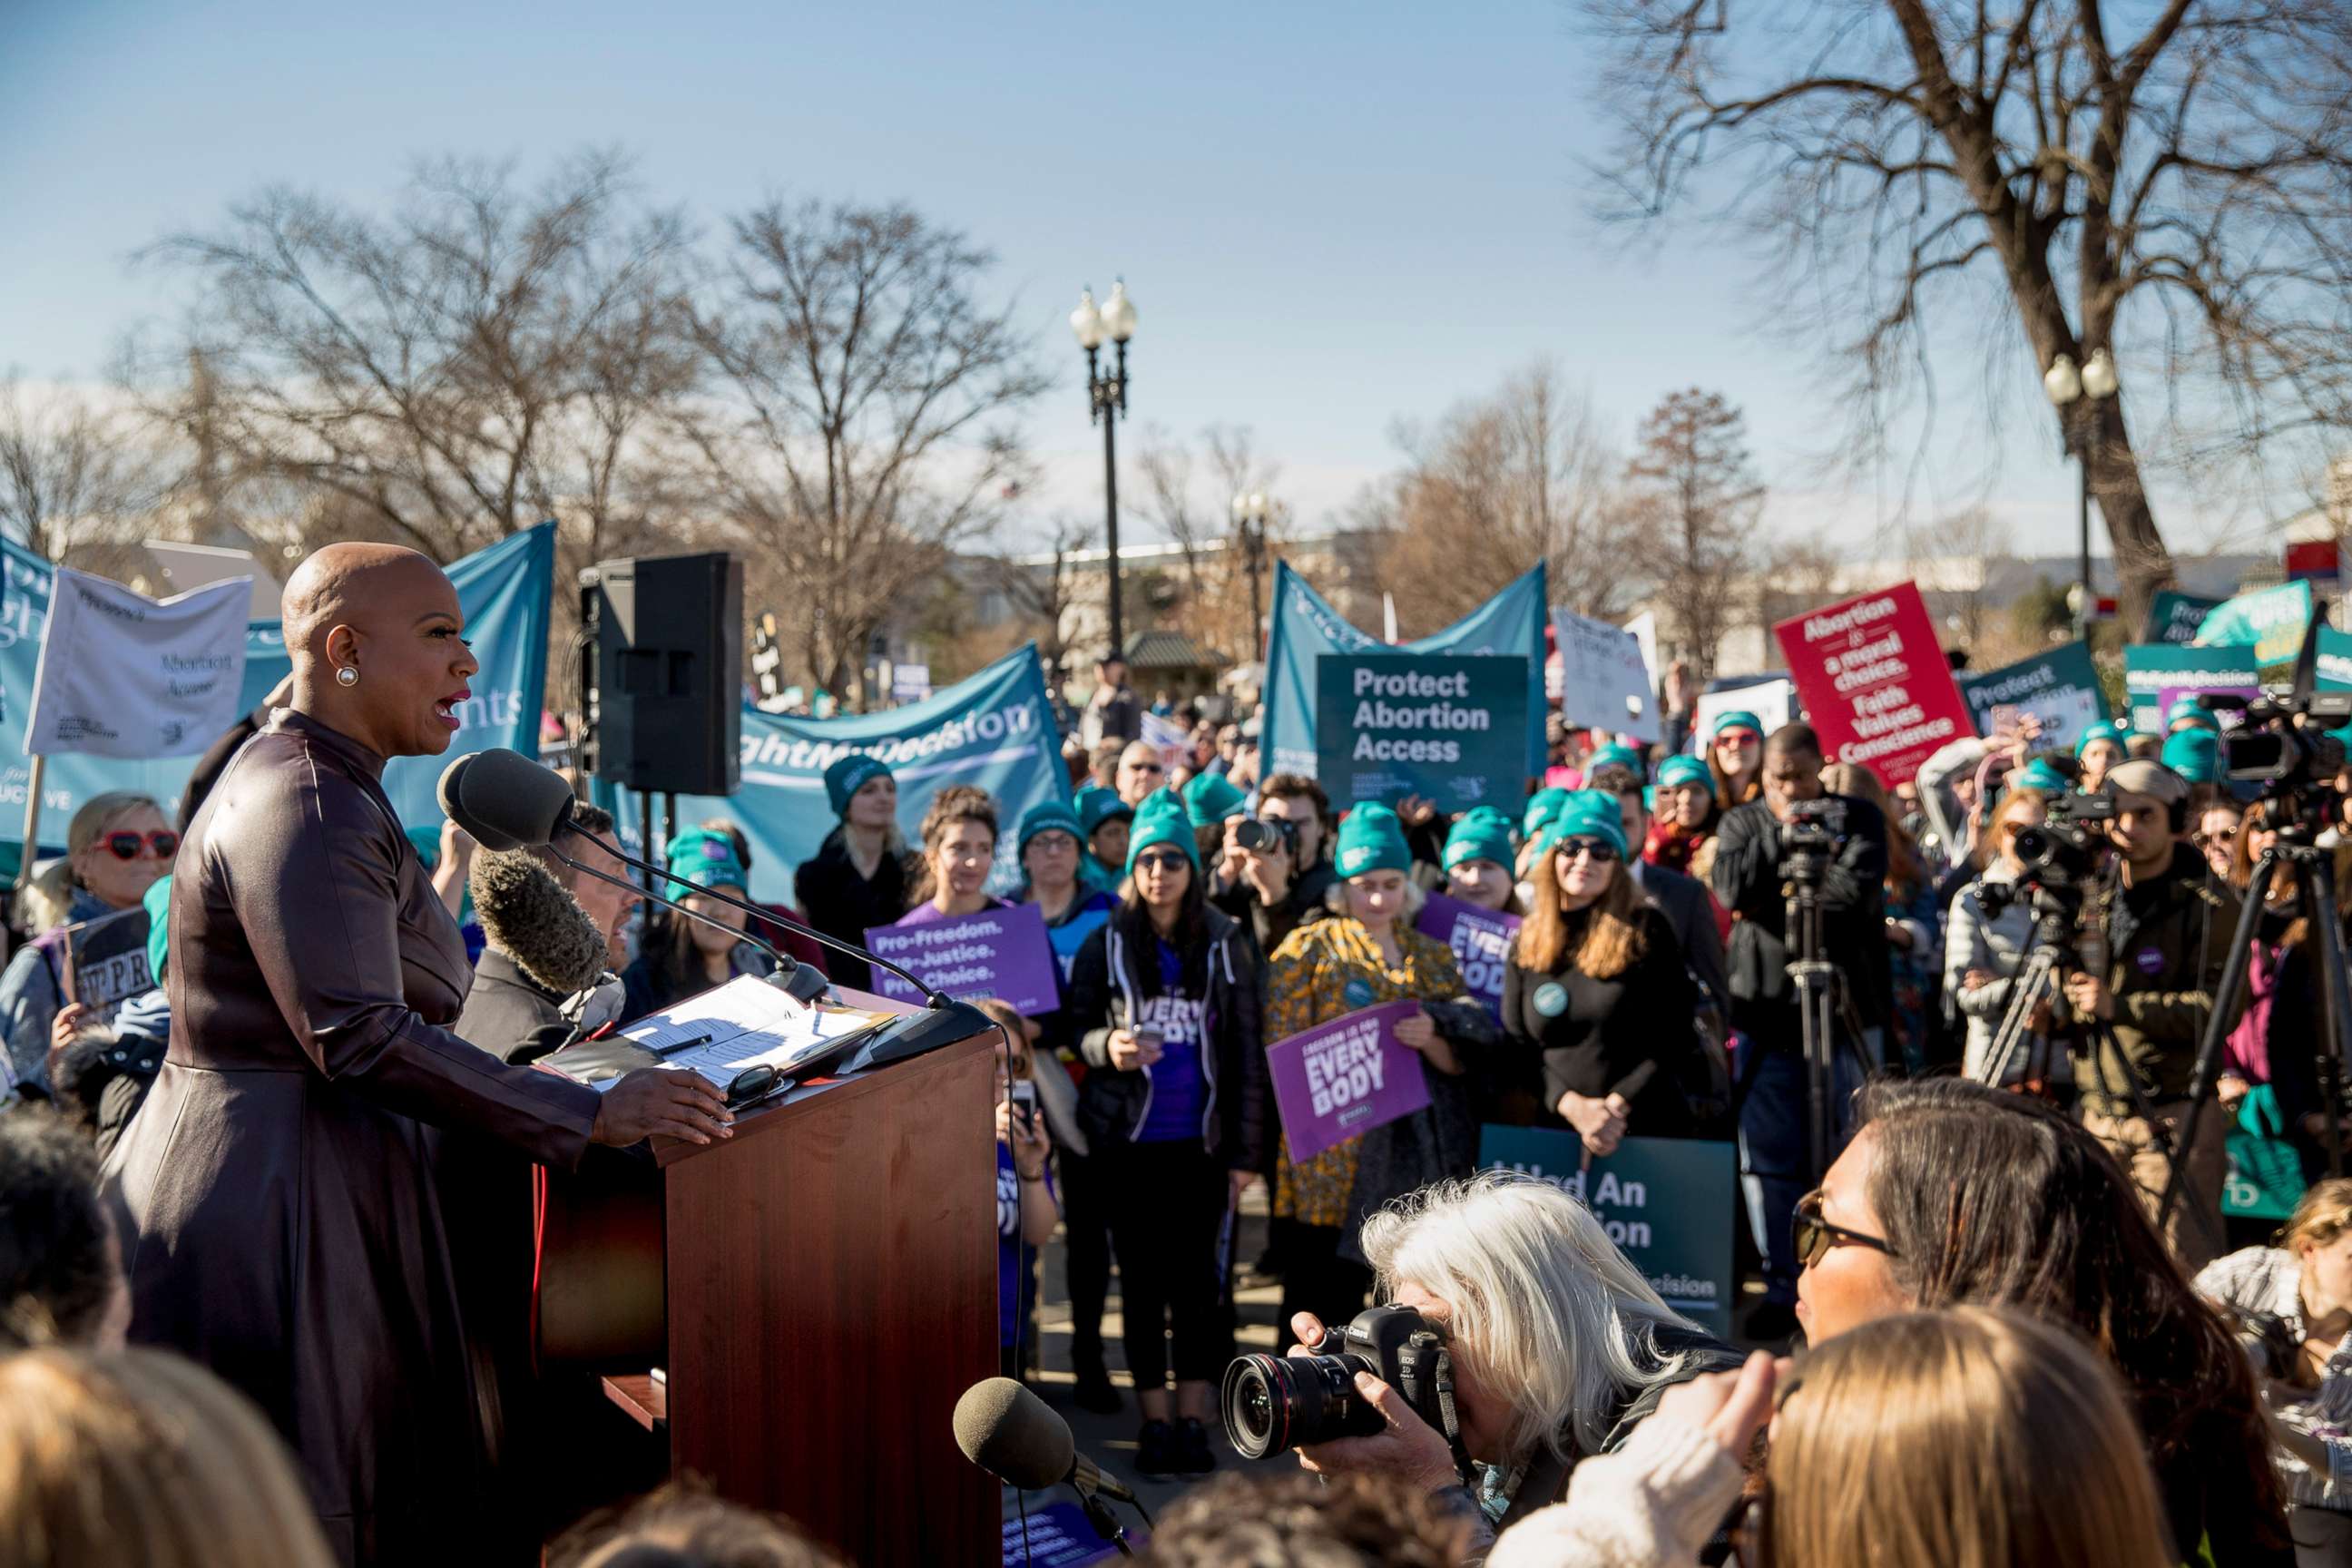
[997, 952]
[2150, 670]
[1306, 627]
[993, 729]
[2174, 616]
[1059, 1536]
[1667, 1203]
[1450, 728]
[505, 591]
[2060, 688]
[2335, 673]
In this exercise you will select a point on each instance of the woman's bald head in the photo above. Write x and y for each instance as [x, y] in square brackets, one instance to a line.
[377, 637]
[368, 587]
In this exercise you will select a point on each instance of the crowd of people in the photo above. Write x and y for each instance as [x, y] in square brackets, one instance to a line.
[2011, 1262]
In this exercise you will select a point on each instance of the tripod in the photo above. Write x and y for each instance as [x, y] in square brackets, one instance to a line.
[1822, 1005]
[2314, 900]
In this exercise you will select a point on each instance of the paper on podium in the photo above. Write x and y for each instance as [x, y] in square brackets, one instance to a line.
[747, 1023]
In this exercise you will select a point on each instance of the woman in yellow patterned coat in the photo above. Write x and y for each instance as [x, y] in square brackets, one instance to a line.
[1368, 955]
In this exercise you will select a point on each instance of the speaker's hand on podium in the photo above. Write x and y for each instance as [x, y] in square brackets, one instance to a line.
[662, 1100]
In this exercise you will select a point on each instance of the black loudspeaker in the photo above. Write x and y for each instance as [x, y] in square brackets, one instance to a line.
[661, 672]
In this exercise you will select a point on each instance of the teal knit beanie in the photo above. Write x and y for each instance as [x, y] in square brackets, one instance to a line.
[1371, 839]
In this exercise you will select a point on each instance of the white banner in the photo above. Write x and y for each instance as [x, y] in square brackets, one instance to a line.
[1773, 702]
[127, 677]
[1644, 628]
[1604, 682]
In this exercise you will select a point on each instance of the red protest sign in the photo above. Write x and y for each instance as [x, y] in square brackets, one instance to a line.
[1874, 682]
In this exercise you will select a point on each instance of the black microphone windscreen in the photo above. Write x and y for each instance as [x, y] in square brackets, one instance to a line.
[527, 914]
[511, 797]
[450, 790]
[1013, 1435]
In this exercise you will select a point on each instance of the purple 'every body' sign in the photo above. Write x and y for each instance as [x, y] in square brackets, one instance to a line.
[1481, 941]
[1345, 1077]
[999, 952]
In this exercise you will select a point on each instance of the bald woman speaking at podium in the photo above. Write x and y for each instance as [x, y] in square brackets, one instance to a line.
[276, 1206]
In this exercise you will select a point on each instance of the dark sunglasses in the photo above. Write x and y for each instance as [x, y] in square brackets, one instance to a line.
[1815, 1236]
[162, 842]
[1170, 862]
[1599, 851]
[1146, 768]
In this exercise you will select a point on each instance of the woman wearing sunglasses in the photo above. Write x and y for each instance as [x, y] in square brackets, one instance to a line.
[1596, 1004]
[1953, 1193]
[1367, 954]
[1920, 1441]
[1735, 756]
[1163, 1000]
[117, 845]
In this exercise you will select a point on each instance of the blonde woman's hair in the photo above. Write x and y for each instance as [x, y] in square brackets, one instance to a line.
[1930, 1440]
[47, 900]
[140, 1456]
[1613, 941]
[2323, 1214]
[1551, 1307]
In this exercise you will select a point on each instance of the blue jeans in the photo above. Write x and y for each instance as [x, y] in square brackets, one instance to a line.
[1775, 1148]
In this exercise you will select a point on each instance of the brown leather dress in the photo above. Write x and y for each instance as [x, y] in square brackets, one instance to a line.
[275, 1197]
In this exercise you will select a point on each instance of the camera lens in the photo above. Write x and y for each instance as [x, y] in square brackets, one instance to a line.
[1274, 1403]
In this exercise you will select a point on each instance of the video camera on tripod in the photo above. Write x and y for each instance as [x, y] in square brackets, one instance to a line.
[2060, 854]
[1811, 837]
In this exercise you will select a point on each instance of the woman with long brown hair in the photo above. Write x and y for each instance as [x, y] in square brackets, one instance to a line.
[1735, 756]
[1920, 1441]
[1597, 1006]
[1954, 1193]
[1985, 946]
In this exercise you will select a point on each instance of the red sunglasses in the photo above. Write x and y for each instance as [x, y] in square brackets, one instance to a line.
[162, 843]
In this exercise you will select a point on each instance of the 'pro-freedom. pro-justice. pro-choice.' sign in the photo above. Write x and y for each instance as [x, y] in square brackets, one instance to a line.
[1450, 728]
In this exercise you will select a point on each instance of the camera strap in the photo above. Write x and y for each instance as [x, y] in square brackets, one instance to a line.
[1450, 1423]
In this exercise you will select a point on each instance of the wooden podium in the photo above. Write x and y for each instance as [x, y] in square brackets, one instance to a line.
[817, 1292]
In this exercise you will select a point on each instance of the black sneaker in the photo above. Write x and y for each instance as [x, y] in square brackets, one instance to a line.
[1156, 1450]
[1192, 1455]
[1094, 1393]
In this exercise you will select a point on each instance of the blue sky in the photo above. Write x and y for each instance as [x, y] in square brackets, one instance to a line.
[1329, 218]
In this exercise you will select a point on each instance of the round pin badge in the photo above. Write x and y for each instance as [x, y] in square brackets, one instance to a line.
[1551, 999]
[1357, 992]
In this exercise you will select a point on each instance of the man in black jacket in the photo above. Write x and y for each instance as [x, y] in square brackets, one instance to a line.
[1776, 1118]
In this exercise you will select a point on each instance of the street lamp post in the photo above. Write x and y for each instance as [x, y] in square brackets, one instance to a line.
[2076, 394]
[1106, 400]
[1249, 517]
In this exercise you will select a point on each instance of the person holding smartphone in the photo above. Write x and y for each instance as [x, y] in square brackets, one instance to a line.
[1027, 1206]
[1165, 997]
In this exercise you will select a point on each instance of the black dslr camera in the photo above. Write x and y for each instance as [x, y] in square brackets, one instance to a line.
[1261, 834]
[1272, 1403]
[2068, 844]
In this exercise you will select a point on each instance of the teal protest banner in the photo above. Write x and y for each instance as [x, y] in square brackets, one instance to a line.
[1668, 1202]
[2060, 688]
[2174, 616]
[1450, 728]
[505, 591]
[2150, 670]
[1306, 627]
[993, 729]
[2273, 619]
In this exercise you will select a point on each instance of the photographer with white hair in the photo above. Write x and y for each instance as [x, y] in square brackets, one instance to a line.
[1559, 1348]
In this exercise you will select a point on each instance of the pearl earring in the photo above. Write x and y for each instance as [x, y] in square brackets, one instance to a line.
[348, 675]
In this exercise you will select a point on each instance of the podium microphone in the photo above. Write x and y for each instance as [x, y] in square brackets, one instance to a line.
[1015, 1437]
